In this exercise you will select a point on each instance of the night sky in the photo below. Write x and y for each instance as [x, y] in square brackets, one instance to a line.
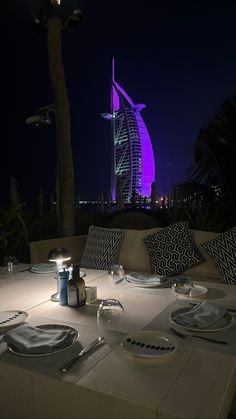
[179, 58]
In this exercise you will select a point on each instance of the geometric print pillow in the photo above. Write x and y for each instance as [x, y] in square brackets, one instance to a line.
[172, 250]
[101, 248]
[222, 251]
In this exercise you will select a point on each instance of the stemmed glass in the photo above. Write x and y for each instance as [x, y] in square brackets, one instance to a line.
[109, 315]
[182, 285]
[10, 264]
[115, 274]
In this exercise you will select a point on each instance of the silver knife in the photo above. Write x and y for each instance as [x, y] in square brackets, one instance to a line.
[84, 351]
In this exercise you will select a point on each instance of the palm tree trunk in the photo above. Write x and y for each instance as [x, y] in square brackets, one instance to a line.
[64, 149]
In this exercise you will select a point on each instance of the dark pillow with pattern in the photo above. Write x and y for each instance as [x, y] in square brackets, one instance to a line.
[101, 248]
[222, 251]
[172, 250]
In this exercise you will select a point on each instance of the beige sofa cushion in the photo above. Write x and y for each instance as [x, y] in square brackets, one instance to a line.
[134, 257]
[102, 247]
[207, 268]
[133, 253]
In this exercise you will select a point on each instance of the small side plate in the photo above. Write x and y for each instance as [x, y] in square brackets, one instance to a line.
[149, 344]
[196, 291]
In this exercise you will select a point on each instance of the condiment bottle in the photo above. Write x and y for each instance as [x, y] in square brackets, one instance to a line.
[76, 288]
[81, 291]
[63, 281]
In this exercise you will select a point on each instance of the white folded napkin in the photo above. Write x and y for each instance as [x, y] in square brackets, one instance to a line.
[145, 278]
[204, 314]
[30, 339]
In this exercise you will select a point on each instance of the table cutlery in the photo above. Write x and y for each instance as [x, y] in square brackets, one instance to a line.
[84, 351]
[185, 336]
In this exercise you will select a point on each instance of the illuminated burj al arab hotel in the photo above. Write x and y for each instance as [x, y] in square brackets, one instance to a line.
[132, 153]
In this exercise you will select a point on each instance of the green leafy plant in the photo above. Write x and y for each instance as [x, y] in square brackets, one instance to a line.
[215, 154]
[13, 231]
[207, 218]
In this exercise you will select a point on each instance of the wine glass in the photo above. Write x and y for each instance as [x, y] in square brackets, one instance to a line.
[10, 264]
[115, 274]
[182, 285]
[109, 315]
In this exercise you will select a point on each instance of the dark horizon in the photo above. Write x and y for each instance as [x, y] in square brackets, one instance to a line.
[178, 60]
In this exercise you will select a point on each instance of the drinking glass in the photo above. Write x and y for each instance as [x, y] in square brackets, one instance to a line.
[109, 315]
[182, 285]
[10, 264]
[115, 274]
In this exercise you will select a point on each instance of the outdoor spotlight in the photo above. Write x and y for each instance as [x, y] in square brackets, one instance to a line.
[58, 255]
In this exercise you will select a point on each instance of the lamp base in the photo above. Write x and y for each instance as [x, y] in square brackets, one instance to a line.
[55, 297]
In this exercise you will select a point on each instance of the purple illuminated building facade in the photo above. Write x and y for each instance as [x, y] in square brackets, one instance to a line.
[132, 153]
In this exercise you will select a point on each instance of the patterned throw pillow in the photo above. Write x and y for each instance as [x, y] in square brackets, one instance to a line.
[222, 251]
[102, 247]
[172, 250]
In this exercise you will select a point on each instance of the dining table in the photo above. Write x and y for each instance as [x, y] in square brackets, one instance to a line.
[198, 380]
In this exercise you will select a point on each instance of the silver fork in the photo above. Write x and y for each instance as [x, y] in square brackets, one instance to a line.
[185, 336]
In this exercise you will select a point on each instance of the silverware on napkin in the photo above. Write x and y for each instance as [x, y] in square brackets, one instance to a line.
[84, 351]
[186, 336]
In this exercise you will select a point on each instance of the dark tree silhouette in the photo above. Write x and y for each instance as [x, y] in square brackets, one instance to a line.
[54, 19]
[215, 156]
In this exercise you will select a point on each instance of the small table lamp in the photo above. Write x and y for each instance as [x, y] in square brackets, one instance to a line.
[58, 255]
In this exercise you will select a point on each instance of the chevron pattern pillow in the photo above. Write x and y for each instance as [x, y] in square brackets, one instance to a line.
[172, 250]
[222, 251]
[101, 248]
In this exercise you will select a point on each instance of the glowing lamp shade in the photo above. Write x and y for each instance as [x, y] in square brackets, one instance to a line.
[58, 255]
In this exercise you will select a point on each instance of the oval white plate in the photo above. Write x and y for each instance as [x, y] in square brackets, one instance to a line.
[226, 322]
[149, 344]
[55, 351]
[11, 318]
[82, 275]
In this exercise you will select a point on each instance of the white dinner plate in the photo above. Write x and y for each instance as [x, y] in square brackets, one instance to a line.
[11, 318]
[54, 351]
[149, 284]
[149, 344]
[225, 322]
[196, 291]
[82, 275]
[43, 268]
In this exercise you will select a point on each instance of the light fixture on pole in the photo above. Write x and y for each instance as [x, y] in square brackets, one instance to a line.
[58, 255]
